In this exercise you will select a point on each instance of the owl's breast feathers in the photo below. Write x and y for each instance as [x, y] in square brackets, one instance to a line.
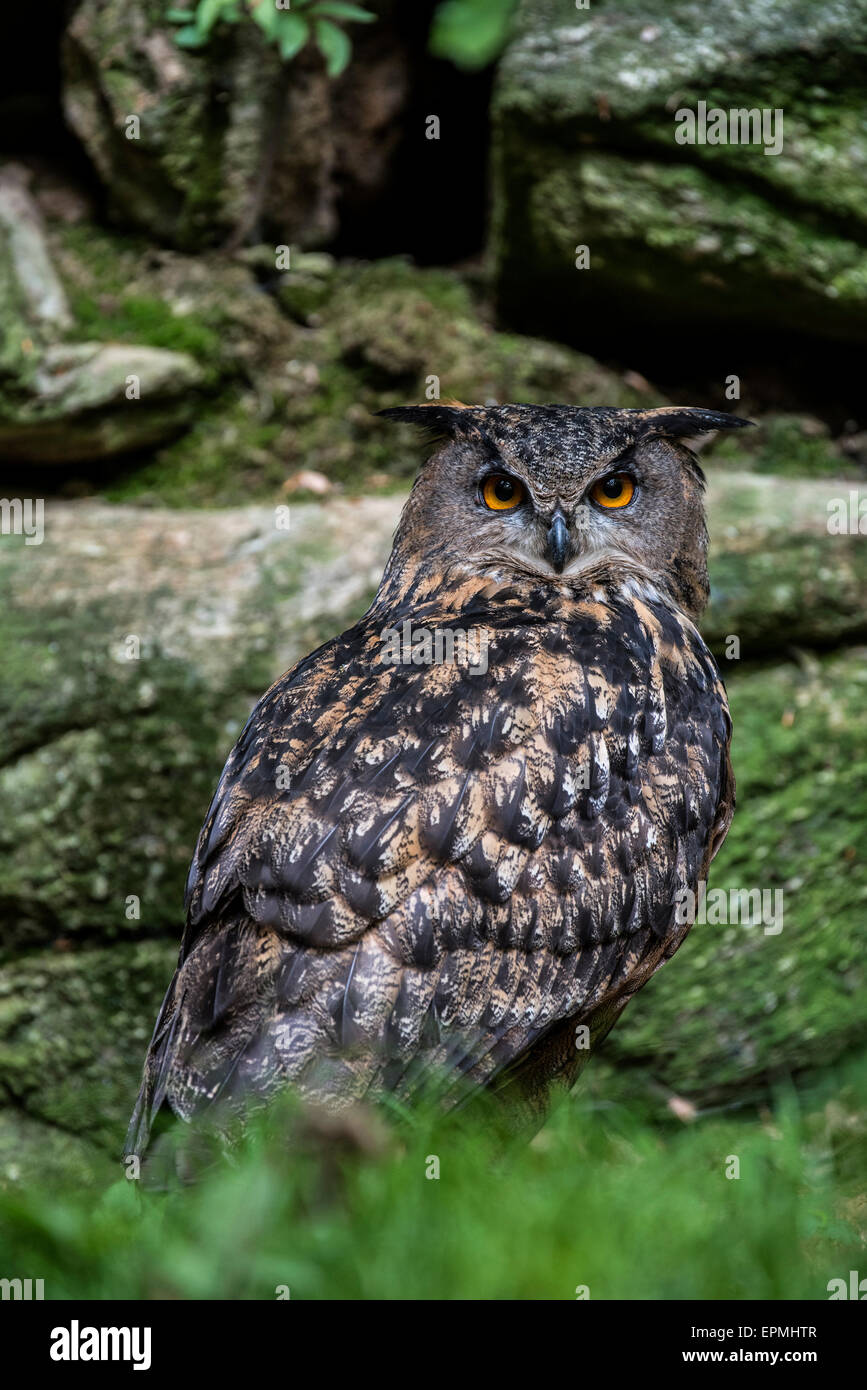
[416, 870]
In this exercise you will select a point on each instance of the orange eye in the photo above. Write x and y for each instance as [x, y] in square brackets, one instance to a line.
[614, 491]
[502, 493]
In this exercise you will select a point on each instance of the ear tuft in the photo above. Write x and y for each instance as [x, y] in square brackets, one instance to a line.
[673, 422]
[441, 416]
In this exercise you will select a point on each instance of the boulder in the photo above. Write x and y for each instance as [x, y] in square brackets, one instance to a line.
[202, 146]
[95, 400]
[63, 401]
[780, 578]
[135, 643]
[585, 123]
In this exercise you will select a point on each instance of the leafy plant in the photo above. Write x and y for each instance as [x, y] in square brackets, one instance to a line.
[289, 29]
[471, 33]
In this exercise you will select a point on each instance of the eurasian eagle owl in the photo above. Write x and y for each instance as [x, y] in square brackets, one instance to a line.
[458, 831]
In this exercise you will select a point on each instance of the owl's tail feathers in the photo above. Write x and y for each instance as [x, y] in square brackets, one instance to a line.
[157, 1069]
[184, 1082]
[208, 1017]
[223, 1044]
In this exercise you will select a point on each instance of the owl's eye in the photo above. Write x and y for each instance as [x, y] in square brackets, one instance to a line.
[502, 493]
[614, 491]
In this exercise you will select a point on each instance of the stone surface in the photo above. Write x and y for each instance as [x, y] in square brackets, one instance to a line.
[585, 154]
[40, 294]
[63, 401]
[95, 400]
[136, 643]
[229, 138]
[779, 579]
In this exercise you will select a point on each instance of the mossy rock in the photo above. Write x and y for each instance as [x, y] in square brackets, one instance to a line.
[36, 1153]
[175, 135]
[795, 590]
[74, 1028]
[209, 306]
[398, 326]
[127, 687]
[202, 146]
[355, 339]
[740, 1005]
[95, 400]
[585, 154]
[292, 367]
[779, 577]
[63, 399]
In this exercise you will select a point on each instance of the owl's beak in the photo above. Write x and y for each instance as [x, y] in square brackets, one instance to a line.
[558, 541]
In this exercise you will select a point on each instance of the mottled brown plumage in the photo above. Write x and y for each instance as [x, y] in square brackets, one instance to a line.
[429, 874]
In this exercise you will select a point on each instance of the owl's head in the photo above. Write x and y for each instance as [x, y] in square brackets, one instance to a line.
[558, 492]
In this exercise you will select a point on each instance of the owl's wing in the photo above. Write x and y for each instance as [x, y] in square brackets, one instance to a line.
[416, 868]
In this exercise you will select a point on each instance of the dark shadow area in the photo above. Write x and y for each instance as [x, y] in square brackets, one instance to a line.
[689, 358]
[32, 123]
[434, 207]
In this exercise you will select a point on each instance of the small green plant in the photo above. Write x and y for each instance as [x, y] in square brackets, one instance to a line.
[471, 33]
[289, 29]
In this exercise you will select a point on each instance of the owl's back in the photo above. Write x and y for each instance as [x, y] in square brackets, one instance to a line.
[426, 874]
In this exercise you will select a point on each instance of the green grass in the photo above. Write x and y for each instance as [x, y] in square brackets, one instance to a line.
[606, 1197]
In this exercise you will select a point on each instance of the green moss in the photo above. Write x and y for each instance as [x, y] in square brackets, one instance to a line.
[781, 590]
[74, 1028]
[804, 60]
[142, 319]
[585, 152]
[208, 306]
[737, 1006]
[655, 229]
[185, 176]
[34, 1151]
[96, 749]
[99, 261]
[225, 458]
[110, 763]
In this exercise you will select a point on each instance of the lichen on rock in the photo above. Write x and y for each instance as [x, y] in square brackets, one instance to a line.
[585, 152]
